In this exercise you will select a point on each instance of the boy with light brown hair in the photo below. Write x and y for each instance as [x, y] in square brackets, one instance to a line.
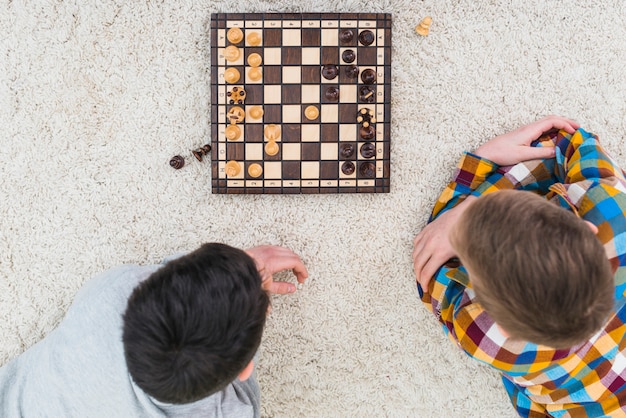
[522, 263]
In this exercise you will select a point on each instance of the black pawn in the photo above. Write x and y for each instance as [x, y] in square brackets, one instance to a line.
[346, 150]
[332, 93]
[352, 71]
[347, 168]
[367, 132]
[346, 36]
[330, 71]
[348, 56]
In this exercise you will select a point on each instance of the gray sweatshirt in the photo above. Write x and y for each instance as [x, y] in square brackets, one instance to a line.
[79, 369]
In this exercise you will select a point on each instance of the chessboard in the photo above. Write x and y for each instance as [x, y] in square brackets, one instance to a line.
[300, 103]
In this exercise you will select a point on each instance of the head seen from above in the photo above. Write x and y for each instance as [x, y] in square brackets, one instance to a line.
[537, 269]
[194, 325]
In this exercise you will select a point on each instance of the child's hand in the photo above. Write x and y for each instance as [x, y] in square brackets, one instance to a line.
[514, 147]
[432, 248]
[271, 259]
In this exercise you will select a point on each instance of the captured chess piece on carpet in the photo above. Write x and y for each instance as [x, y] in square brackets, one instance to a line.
[300, 103]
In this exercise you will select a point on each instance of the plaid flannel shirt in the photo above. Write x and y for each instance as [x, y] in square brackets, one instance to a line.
[587, 380]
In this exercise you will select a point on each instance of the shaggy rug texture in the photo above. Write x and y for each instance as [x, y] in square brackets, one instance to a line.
[96, 97]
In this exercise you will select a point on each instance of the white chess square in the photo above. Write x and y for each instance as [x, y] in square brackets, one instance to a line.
[254, 151]
[310, 93]
[291, 37]
[330, 37]
[272, 56]
[347, 93]
[272, 170]
[310, 133]
[291, 113]
[310, 169]
[329, 150]
[291, 151]
[330, 113]
[310, 56]
[292, 75]
[348, 132]
[272, 94]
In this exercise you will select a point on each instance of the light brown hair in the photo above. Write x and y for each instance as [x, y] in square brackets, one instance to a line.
[537, 269]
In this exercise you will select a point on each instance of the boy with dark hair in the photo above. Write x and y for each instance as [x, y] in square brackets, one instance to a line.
[522, 263]
[165, 340]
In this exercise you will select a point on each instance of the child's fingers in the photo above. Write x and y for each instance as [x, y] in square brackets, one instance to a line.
[536, 153]
[558, 122]
[281, 288]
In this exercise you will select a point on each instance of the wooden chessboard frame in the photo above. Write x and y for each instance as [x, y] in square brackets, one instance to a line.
[294, 48]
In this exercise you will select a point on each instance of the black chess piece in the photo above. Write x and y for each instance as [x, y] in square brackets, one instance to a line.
[332, 93]
[330, 71]
[346, 150]
[365, 117]
[367, 132]
[366, 37]
[367, 94]
[177, 162]
[352, 71]
[347, 168]
[346, 36]
[368, 150]
[348, 56]
[367, 169]
[201, 152]
[368, 76]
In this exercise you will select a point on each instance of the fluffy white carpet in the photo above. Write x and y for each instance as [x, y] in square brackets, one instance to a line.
[95, 97]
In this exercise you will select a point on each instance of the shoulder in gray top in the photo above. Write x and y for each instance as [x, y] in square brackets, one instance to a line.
[79, 369]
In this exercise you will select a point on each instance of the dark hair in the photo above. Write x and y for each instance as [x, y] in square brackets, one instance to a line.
[537, 269]
[194, 324]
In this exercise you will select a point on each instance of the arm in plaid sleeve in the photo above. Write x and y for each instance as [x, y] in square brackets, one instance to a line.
[469, 174]
[594, 187]
[583, 381]
[451, 298]
[579, 158]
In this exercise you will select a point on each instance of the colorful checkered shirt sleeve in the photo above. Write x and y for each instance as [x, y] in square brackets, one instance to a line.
[588, 380]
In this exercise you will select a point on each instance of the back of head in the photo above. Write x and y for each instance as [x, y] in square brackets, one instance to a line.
[194, 325]
[537, 269]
